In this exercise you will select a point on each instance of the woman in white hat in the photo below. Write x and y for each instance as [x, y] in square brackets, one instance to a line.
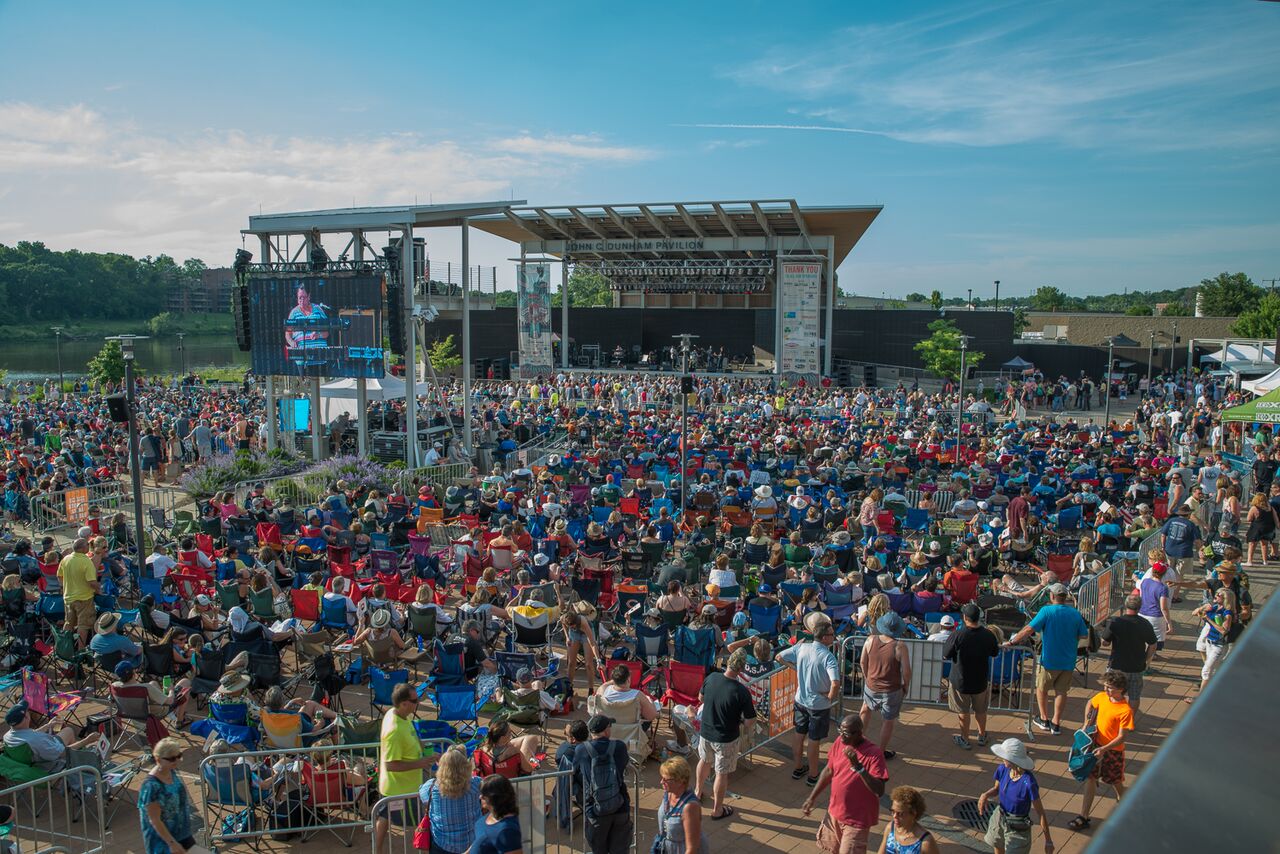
[1018, 793]
[763, 504]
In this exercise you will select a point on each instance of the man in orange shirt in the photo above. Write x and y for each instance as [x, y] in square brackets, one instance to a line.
[1110, 712]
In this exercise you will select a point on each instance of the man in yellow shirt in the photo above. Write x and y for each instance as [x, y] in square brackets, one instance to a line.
[79, 579]
[400, 763]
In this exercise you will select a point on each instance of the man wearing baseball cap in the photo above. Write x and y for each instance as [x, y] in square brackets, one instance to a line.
[970, 650]
[48, 742]
[1061, 626]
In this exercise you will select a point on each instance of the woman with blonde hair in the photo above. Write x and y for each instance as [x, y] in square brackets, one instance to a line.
[452, 802]
[679, 813]
[1083, 555]
[876, 608]
[164, 806]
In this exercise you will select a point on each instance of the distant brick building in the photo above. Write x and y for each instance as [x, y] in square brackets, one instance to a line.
[212, 295]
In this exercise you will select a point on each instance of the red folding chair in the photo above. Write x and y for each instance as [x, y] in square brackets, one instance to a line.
[1060, 565]
[189, 559]
[306, 604]
[630, 507]
[606, 578]
[204, 542]
[269, 535]
[189, 585]
[340, 555]
[684, 683]
[639, 679]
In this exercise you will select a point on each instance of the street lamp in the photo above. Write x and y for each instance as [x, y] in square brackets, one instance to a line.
[686, 388]
[997, 294]
[964, 349]
[969, 304]
[135, 465]
[57, 331]
[182, 354]
[1151, 354]
[1113, 342]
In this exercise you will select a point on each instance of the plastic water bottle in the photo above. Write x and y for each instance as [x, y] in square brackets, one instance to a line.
[167, 682]
[419, 643]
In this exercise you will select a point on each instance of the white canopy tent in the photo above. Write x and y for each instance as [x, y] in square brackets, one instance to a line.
[340, 396]
[1262, 385]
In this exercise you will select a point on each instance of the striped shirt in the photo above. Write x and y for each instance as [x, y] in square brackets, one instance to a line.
[452, 819]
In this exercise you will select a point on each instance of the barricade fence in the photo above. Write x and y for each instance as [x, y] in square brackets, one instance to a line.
[1012, 676]
[62, 812]
[444, 476]
[290, 792]
[550, 815]
[70, 507]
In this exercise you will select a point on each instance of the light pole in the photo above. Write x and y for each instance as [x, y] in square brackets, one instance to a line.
[1173, 350]
[997, 294]
[686, 387]
[182, 354]
[1151, 354]
[969, 304]
[135, 465]
[57, 331]
[964, 349]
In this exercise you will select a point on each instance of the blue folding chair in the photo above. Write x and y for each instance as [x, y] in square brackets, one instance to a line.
[600, 515]
[652, 645]
[793, 591]
[333, 615]
[379, 540]
[916, 520]
[695, 646]
[765, 619]
[153, 587]
[381, 684]
[450, 666]
[459, 704]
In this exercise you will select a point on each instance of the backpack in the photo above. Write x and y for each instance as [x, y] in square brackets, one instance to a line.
[601, 780]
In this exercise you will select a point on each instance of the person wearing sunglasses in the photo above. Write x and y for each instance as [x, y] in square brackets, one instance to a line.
[164, 807]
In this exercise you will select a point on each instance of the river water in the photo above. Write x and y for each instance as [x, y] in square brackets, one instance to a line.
[32, 360]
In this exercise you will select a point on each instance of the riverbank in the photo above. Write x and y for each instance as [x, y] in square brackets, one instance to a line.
[165, 325]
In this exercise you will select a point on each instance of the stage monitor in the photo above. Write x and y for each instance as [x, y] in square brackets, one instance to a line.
[317, 326]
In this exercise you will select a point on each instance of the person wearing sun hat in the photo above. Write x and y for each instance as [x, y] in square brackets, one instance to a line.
[1018, 793]
[107, 639]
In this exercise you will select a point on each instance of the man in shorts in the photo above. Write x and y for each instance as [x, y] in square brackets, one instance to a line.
[79, 579]
[1110, 714]
[726, 705]
[817, 686]
[970, 651]
[1061, 626]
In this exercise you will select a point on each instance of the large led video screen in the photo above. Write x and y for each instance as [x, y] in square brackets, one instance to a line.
[317, 326]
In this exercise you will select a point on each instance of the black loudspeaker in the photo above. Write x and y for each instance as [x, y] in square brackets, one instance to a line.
[240, 315]
[686, 385]
[118, 407]
[869, 376]
[395, 315]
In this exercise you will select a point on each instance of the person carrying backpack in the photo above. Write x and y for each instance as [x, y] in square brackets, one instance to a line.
[601, 764]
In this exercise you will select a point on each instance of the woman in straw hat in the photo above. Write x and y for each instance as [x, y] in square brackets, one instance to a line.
[1018, 793]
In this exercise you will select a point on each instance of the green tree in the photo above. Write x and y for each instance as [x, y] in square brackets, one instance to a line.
[505, 299]
[935, 300]
[1261, 322]
[587, 287]
[1019, 320]
[1048, 298]
[163, 323]
[108, 365]
[444, 354]
[1228, 295]
[940, 352]
[916, 297]
[1177, 308]
[1138, 310]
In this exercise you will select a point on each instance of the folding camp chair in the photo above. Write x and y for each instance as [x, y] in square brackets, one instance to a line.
[306, 604]
[695, 646]
[652, 645]
[381, 684]
[683, 683]
[131, 706]
[531, 632]
[765, 619]
[459, 704]
[450, 665]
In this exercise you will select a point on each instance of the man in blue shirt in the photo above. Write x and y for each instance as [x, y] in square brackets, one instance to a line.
[109, 640]
[1061, 626]
[817, 687]
[1178, 538]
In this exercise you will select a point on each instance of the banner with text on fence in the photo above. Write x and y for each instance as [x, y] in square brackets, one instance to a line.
[534, 313]
[800, 291]
[782, 696]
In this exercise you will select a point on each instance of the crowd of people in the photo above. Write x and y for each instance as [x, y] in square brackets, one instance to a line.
[806, 515]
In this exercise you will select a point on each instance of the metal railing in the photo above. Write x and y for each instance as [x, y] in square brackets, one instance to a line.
[332, 781]
[61, 812]
[410, 480]
[558, 828]
[53, 510]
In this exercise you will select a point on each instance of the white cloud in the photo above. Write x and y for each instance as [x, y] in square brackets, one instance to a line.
[78, 179]
[582, 146]
[1078, 75]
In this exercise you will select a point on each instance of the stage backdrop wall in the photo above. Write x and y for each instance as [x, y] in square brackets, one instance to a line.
[882, 336]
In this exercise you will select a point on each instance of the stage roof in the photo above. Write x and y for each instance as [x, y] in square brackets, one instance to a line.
[683, 220]
[372, 219]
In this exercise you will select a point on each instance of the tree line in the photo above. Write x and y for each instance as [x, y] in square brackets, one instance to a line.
[41, 284]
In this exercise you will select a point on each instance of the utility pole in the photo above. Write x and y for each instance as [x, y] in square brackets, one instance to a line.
[686, 388]
[182, 353]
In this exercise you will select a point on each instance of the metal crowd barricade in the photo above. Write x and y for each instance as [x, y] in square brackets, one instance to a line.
[61, 812]
[773, 713]
[443, 476]
[236, 812]
[50, 511]
[166, 499]
[541, 829]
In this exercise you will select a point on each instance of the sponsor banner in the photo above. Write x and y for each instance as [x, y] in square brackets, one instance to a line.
[800, 289]
[534, 309]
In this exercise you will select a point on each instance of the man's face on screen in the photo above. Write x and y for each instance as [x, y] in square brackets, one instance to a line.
[304, 299]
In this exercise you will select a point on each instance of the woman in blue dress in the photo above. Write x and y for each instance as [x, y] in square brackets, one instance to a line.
[164, 808]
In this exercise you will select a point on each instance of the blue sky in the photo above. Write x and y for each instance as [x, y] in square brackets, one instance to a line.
[1094, 146]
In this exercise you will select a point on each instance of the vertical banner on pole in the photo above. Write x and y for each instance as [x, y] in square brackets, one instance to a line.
[800, 284]
[534, 311]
